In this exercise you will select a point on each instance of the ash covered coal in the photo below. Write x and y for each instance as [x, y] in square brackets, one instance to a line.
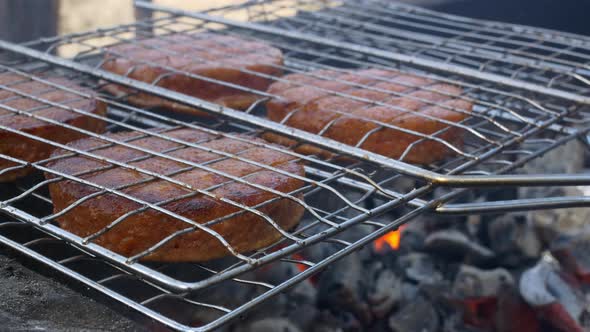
[459, 274]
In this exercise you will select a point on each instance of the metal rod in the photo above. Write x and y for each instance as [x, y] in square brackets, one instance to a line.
[546, 203]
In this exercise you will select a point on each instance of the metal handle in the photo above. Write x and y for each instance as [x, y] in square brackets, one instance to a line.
[467, 208]
[533, 180]
[514, 205]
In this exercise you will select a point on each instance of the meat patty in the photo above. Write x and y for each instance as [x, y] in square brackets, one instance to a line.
[30, 150]
[308, 102]
[210, 55]
[139, 231]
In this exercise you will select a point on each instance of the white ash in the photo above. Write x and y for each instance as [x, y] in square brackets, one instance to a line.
[417, 315]
[272, 324]
[420, 268]
[542, 285]
[513, 238]
[451, 242]
[554, 222]
[567, 158]
[472, 282]
[385, 292]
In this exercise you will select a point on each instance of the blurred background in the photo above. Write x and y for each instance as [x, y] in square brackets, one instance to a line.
[22, 20]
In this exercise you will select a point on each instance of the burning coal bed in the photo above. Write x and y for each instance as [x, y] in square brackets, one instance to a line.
[526, 272]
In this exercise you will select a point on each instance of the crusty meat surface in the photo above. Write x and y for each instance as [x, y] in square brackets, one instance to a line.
[320, 111]
[205, 54]
[138, 232]
[30, 150]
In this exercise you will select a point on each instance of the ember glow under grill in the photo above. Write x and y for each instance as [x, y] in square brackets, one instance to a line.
[530, 96]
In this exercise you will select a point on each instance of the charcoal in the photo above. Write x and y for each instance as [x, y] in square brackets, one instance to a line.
[514, 240]
[227, 293]
[268, 325]
[472, 282]
[456, 245]
[327, 321]
[554, 298]
[420, 268]
[474, 224]
[342, 286]
[302, 314]
[298, 303]
[476, 292]
[275, 273]
[553, 223]
[320, 250]
[417, 315]
[409, 291]
[533, 284]
[572, 254]
[403, 184]
[412, 238]
[558, 318]
[385, 292]
[301, 304]
[514, 314]
[454, 323]
[553, 162]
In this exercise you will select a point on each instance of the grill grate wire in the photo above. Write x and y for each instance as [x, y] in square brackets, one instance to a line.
[552, 59]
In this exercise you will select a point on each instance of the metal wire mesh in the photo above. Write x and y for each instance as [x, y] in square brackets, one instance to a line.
[348, 202]
[484, 127]
[551, 59]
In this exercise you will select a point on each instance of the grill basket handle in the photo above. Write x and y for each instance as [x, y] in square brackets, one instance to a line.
[514, 205]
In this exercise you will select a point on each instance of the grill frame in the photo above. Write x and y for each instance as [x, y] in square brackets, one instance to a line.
[421, 206]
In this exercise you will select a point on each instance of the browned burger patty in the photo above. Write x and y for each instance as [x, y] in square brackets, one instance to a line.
[138, 232]
[30, 150]
[348, 120]
[214, 56]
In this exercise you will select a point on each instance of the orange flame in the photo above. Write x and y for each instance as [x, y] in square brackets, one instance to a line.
[391, 239]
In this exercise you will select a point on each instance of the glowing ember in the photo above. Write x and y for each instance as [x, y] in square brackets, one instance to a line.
[391, 239]
[301, 267]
